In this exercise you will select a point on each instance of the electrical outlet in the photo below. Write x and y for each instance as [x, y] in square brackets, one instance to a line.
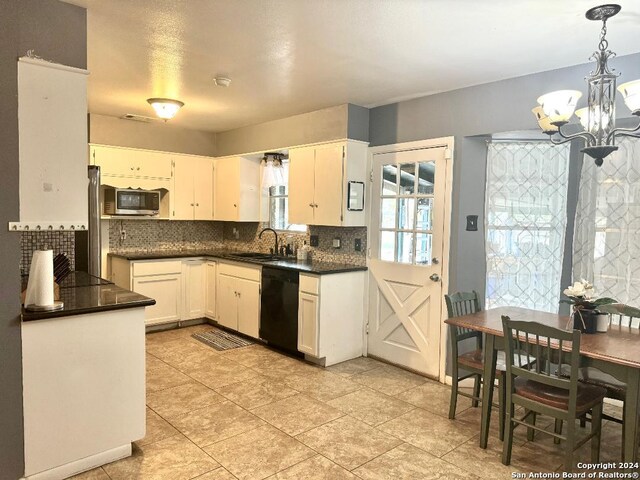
[472, 223]
[357, 245]
[336, 243]
[314, 240]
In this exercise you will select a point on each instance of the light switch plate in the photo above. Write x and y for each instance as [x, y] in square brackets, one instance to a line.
[336, 243]
[472, 223]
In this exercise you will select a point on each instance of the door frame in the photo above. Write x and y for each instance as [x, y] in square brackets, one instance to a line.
[448, 143]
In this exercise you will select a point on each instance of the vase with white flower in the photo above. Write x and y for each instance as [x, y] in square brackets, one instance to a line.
[585, 313]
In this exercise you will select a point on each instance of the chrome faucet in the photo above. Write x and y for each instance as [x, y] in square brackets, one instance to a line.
[275, 247]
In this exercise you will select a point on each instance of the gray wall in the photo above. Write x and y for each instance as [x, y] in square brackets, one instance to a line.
[11, 428]
[57, 32]
[496, 107]
[334, 123]
[54, 32]
[109, 130]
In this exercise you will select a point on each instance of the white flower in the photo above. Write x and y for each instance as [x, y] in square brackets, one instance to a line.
[582, 289]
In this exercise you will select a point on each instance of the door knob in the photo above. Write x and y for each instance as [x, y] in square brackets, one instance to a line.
[434, 277]
[435, 260]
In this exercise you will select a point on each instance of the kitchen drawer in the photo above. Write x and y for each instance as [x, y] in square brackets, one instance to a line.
[309, 284]
[235, 270]
[143, 269]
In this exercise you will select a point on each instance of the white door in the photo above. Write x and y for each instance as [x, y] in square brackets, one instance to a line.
[308, 324]
[182, 190]
[328, 192]
[193, 274]
[407, 239]
[301, 173]
[210, 295]
[227, 302]
[165, 290]
[248, 307]
[203, 188]
[226, 189]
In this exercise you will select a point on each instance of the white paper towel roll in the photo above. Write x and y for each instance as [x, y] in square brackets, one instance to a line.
[40, 285]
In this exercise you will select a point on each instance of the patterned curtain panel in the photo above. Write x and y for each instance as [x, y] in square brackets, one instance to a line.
[606, 246]
[526, 217]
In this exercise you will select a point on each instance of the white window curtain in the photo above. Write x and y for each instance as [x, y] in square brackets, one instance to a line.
[606, 246]
[525, 214]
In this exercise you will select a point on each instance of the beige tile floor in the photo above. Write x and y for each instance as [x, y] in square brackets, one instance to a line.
[253, 413]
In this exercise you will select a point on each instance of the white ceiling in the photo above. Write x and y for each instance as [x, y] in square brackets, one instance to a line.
[292, 56]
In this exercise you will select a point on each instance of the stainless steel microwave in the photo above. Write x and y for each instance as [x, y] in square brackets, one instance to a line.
[120, 201]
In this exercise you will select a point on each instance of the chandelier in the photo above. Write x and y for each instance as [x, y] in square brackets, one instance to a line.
[598, 117]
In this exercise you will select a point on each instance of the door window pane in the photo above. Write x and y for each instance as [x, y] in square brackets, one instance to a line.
[423, 249]
[405, 247]
[388, 213]
[423, 216]
[407, 178]
[426, 177]
[387, 246]
[406, 213]
[389, 180]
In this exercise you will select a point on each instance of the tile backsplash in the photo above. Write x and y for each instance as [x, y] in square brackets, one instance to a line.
[163, 235]
[59, 242]
[187, 235]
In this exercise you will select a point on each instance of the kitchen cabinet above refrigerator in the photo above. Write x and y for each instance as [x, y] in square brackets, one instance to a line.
[52, 122]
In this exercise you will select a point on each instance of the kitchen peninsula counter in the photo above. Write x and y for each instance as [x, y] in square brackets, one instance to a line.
[83, 378]
[82, 293]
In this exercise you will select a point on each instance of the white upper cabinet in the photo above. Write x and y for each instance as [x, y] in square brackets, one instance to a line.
[319, 179]
[192, 189]
[52, 122]
[237, 189]
[131, 162]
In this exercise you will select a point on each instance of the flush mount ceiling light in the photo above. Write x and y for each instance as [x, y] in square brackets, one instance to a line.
[598, 117]
[221, 81]
[165, 108]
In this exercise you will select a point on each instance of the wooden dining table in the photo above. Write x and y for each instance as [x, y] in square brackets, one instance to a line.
[616, 352]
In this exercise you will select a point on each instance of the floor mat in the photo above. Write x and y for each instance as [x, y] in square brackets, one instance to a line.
[221, 340]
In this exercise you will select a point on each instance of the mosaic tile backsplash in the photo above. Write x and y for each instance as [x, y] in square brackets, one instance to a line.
[59, 242]
[147, 235]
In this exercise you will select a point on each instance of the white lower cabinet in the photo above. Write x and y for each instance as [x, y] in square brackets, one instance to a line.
[248, 307]
[165, 289]
[331, 316]
[210, 268]
[238, 298]
[193, 288]
[308, 324]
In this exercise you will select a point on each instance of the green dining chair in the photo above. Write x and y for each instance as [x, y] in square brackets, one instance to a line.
[543, 389]
[471, 362]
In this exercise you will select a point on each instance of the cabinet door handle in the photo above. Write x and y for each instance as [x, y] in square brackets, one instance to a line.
[191, 204]
[234, 205]
[138, 168]
[131, 168]
[315, 205]
[197, 204]
[311, 205]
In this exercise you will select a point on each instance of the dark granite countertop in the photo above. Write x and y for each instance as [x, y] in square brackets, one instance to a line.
[308, 266]
[83, 293]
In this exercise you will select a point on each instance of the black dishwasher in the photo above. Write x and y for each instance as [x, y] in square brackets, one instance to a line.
[279, 308]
